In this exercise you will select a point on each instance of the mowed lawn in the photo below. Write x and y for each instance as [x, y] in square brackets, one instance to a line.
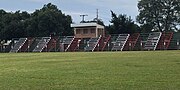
[137, 70]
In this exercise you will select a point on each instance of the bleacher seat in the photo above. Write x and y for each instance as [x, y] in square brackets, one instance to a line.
[42, 44]
[91, 44]
[152, 41]
[74, 44]
[18, 45]
[120, 42]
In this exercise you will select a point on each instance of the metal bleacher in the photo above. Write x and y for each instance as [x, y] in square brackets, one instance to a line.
[18, 45]
[67, 42]
[42, 44]
[64, 43]
[164, 41]
[120, 42]
[74, 44]
[92, 43]
[115, 42]
[131, 42]
[141, 41]
[105, 43]
[152, 41]
[175, 42]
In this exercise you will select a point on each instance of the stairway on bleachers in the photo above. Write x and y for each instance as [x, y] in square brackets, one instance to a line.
[33, 43]
[131, 42]
[42, 44]
[51, 45]
[164, 41]
[103, 43]
[74, 45]
[66, 42]
[18, 45]
[27, 44]
[111, 42]
[152, 41]
[120, 42]
[92, 44]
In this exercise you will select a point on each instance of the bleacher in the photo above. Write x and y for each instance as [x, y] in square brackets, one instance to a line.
[111, 42]
[131, 42]
[120, 42]
[152, 41]
[66, 42]
[82, 44]
[51, 45]
[6, 45]
[104, 43]
[91, 44]
[18, 45]
[141, 41]
[42, 44]
[33, 43]
[74, 45]
[175, 42]
[164, 41]
[59, 44]
[63, 42]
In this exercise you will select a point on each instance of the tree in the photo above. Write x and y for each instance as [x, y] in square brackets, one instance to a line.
[49, 20]
[122, 24]
[163, 15]
[11, 24]
[43, 22]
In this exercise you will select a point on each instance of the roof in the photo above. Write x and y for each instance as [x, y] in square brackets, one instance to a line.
[87, 25]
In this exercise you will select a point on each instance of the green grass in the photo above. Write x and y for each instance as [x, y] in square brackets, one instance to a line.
[154, 70]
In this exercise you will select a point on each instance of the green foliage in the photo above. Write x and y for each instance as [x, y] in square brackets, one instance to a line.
[163, 15]
[122, 24]
[146, 28]
[12, 24]
[155, 70]
[49, 20]
[44, 22]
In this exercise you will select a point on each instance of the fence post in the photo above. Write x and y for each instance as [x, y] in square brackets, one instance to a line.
[178, 44]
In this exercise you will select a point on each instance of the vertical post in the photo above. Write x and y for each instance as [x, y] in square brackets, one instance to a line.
[108, 46]
[164, 45]
[141, 44]
[130, 46]
[98, 46]
[178, 44]
[28, 44]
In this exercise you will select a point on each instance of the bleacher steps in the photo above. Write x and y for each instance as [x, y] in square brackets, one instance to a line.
[120, 42]
[152, 41]
[18, 45]
[42, 44]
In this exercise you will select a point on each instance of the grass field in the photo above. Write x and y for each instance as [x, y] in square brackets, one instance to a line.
[153, 70]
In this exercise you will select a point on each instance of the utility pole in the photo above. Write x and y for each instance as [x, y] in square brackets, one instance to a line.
[83, 17]
[97, 14]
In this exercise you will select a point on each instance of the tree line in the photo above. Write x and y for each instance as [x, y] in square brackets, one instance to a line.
[154, 15]
[43, 22]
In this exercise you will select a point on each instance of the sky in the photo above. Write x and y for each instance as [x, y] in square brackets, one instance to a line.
[75, 8]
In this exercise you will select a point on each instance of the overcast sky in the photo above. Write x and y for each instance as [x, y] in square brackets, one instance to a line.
[77, 7]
